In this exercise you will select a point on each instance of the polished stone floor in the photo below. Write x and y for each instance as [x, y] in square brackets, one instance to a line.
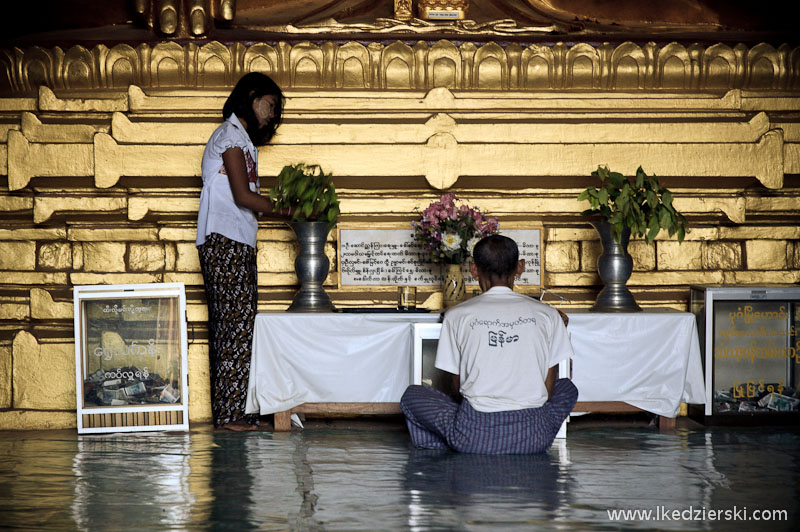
[365, 476]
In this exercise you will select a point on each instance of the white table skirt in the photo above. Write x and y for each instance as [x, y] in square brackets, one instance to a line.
[650, 360]
[330, 357]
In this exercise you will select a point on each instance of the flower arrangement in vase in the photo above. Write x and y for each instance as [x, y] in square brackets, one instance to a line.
[448, 232]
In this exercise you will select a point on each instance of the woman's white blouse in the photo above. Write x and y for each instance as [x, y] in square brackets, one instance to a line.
[218, 211]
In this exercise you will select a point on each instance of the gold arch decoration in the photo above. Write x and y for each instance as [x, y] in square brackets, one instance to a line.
[397, 65]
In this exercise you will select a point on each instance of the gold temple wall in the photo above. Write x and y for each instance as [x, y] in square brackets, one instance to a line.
[99, 170]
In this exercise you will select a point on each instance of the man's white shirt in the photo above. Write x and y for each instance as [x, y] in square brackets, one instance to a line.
[502, 344]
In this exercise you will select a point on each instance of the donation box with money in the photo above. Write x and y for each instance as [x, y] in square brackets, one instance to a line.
[749, 338]
[130, 358]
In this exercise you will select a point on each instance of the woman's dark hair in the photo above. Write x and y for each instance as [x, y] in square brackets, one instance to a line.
[251, 86]
[496, 255]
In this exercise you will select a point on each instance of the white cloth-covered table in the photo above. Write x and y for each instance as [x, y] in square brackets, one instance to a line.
[650, 359]
[330, 357]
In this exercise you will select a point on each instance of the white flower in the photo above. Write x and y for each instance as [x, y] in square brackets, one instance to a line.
[451, 242]
[471, 243]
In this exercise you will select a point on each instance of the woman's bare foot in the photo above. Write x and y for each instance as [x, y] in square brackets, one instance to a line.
[239, 426]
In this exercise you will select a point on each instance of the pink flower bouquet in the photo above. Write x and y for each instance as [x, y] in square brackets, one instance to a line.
[449, 231]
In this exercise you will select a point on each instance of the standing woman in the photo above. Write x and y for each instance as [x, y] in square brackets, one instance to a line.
[226, 240]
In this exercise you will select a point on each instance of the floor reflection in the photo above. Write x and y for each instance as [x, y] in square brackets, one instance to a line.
[123, 477]
[446, 488]
[371, 479]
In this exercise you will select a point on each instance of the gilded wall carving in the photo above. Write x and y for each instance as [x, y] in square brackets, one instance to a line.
[400, 65]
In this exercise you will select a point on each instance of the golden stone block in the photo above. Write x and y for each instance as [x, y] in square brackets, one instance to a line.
[77, 256]
[784, 205]
[732, 207]
[5, 128]
[290, 279]
[5, 377]
[27, 160]
[569, 234]
[278, 257]
[17, 256]
[158, 131]
[44, 374]
[27, 233]
[112, 160]
[55, 256]
[760, 232]
[590, 250]
[177, 234]
[791, 158]
[18, 104]
[571, 279]
[170, 256]
[643, 255]
[35, 420]
[187, 258]
[796, 255]
[34, 278]
[138, 208]
[761, 277]
[722, 256]
[561, 257]
[701, 234]
[14, 309]
[114, 278]
[146, 257]
[35, 131]
[676, 278]
[280, 232]
[113, 101]
[3, 159]
[104, 256]
[189, 279]
[44, 308]
[196, 313]
[199, 383]
[45, 206]
[116, 234]
[766, 254]
[175, 100]
[672, 255]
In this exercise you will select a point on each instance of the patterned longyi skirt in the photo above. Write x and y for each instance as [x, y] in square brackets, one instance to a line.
[231, 281]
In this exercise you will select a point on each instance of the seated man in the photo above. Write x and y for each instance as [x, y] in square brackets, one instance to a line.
[503, 347]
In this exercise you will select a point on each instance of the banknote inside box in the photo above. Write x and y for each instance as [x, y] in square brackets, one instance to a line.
[752, 348]
[132, 352]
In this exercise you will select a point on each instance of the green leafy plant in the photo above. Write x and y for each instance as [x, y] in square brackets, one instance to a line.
[309, 191]
[640, 203]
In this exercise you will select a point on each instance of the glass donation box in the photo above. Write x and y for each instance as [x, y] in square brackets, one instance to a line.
[130, 358]
[749, 338]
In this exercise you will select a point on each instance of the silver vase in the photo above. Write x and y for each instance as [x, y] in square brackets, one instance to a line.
[615, 266]
[311, 266]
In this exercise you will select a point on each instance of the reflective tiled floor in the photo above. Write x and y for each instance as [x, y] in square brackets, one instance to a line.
[368, 478]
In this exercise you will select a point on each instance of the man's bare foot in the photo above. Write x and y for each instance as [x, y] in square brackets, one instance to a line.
[239, 426]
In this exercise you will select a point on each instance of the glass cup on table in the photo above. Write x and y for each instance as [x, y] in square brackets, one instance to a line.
[406, 297]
